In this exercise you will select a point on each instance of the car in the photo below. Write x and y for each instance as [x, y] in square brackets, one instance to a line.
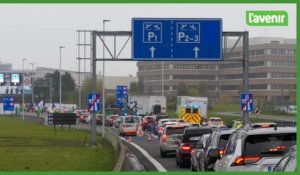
[255, 149]
[263, 125]
[215, 122]
[99, 119]
[158, 126]
[147, 122]
[196, 151]
[235, 124]
[217, 140]
[109, 120]
[129, 125]
[85, 117]
[170, 138]
[288, 163]
[188, 141]
[160, 116]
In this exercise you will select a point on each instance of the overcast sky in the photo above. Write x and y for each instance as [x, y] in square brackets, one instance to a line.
[35, 31]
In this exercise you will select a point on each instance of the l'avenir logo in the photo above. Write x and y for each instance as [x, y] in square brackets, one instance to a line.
[267, 18]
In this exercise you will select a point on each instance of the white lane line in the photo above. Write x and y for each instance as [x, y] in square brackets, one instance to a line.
[157, 165]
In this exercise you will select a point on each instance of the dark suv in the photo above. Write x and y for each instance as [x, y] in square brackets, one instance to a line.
[217, 141]
[188, 141]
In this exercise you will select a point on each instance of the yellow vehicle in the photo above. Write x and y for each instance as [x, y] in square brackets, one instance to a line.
[191, 114]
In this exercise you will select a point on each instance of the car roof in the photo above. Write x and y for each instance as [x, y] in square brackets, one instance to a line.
[197, 131]
[215, 118]
[175, 126]
[262, 131]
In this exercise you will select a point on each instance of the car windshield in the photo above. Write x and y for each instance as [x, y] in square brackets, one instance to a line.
[269, 145]
[223, 140]
[149, 119]
[174, 130]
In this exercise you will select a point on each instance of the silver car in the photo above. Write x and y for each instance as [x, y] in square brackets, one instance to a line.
[170, 138]
[258, 149]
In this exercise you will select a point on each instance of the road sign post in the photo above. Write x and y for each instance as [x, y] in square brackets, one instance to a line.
[177, 39]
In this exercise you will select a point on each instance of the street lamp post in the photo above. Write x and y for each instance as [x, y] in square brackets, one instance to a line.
[103, 81]
[60, 47]
[32, 86]
[23, 103]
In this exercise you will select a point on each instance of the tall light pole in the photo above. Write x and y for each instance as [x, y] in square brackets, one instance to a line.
[103, 81]
[32, 87]
[23, 103]
[60, 47]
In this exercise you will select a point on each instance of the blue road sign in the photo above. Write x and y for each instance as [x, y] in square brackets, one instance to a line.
[122, 93]
[50, 119]
[94, 103]
[177, 39]
[8, 103]
[247, 102]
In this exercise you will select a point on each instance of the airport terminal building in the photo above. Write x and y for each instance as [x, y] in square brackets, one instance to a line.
[272, 72]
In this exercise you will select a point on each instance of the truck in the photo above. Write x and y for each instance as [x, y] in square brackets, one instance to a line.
[143, 105]
[191, 109]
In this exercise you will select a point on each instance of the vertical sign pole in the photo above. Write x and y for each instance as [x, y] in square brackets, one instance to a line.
[93, 51]
[245, 72]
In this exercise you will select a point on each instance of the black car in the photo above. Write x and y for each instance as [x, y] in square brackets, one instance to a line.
[288, 163]
[197, 151]
[216, 142]
[188, 141]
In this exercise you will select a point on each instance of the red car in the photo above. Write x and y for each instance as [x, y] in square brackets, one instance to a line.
[147, 121]
[99, 119]
[85, 118]
[109, 120]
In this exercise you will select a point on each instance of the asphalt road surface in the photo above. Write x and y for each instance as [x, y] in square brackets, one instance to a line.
[152, 148]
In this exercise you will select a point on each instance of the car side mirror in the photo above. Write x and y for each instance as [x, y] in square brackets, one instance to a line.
[199, 146]
[214, 153]
[193, 145]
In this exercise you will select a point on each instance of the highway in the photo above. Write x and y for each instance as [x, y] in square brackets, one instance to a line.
[152, 147]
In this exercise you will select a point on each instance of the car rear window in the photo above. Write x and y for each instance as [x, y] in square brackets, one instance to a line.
[215, 120]
[223, 140]
[149, 119]
[269, 145]
[132, 120]
[175, 130]
[161, 117]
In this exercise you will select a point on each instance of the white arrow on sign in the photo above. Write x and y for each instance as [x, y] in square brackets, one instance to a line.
[196, 49]
[152, 49]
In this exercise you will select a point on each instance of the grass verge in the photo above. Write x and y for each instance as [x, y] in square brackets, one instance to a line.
[27, 146]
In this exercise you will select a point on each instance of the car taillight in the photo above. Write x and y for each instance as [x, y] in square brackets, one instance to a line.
[164, 137]
[242, 160]
[185, 147]
[221, 152]
[161, 129]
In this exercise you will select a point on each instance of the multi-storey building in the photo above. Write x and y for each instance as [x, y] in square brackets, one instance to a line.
[272, 72]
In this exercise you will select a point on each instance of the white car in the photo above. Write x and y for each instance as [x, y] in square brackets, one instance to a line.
[258, 149]
[129, 125]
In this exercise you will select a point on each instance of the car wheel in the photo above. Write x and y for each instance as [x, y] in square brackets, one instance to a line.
[162, 154]
[177, 162]
[181, 165]
[193, 168]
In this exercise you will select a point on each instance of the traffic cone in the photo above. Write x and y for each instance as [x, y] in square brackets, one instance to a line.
[129, 139]
[149, 137]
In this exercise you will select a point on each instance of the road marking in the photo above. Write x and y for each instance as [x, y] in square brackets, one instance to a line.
[157, 165]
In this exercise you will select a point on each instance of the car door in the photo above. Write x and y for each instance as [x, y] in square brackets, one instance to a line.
[222, 163]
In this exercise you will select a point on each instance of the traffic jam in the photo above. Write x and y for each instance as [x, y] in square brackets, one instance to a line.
[204, 143]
